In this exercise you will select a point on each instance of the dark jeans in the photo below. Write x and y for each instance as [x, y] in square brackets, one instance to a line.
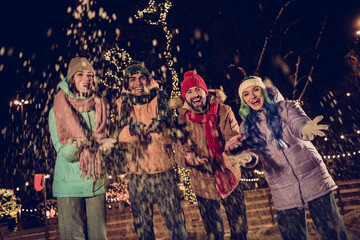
[160, 188]
[235, 210]
[78, 214]
[325, 215]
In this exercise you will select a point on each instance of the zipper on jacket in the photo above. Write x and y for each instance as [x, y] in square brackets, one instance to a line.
[292, 169]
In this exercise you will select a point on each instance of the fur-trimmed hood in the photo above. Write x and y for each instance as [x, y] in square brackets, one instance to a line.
[215, 95]
[203, 180]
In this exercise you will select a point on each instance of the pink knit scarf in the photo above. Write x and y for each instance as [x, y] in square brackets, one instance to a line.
[224, 177]
[68, 126]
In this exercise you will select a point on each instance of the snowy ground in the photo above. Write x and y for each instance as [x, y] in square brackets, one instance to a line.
[352, 222]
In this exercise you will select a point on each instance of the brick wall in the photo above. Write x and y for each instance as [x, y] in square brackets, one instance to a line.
[259, 209]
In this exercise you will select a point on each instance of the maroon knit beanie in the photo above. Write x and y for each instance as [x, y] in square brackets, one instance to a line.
[191, 79]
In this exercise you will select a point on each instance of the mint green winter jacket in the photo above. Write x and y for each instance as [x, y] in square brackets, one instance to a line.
[68, 180]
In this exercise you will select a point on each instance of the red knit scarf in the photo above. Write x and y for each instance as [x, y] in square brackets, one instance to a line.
[68, 126]
[225, 179]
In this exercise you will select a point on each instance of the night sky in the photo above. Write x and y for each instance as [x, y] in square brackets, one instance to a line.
[233, 28]
[207, 35]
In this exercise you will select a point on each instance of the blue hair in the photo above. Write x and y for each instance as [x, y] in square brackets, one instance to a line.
[255, 138]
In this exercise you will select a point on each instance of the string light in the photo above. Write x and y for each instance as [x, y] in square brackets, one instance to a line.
[163, 9]
[9, 202]
[249, 179]
[120, 59]
[118, 191]
[259, 172]
[185, 184]
[300, 102]
[253, 179]
[49, 210]
[348, 154]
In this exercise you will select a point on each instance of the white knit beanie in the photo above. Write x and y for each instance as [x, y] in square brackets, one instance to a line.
[250, 81]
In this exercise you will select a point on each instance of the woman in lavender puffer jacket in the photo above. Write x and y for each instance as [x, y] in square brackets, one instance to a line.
[281, 133]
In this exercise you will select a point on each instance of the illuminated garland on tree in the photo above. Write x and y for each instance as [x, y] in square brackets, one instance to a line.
[10, 204]
[120, 59]
[118, 191]
[51, 209]
[162, 10]
[185, 184]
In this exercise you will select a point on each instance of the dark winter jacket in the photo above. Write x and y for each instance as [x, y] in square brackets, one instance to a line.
[157, 155]
[202, 177]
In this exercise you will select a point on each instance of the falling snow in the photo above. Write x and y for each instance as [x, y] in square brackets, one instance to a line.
[202, 38]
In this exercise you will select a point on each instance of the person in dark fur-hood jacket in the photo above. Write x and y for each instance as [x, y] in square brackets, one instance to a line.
[145, 121]
[207, 124]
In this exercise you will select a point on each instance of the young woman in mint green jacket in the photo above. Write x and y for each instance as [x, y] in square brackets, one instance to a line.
[79, 132]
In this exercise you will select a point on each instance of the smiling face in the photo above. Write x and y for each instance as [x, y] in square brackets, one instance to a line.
[84, 81]
[138, 84]
[196, 98]
[253, 97]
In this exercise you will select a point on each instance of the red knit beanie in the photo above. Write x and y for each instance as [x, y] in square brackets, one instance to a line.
[191, 79]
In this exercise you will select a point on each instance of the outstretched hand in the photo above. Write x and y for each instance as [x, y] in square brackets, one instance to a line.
[311, 129]
[193, 160]
[233, 143]
[107, 144]
[238, 160]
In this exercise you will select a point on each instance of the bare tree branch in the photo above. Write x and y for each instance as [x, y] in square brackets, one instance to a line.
[315, 59]
[270, 33]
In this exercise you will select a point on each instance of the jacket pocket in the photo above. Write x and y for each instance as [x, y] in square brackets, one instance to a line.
[312, 153]
[62, 170]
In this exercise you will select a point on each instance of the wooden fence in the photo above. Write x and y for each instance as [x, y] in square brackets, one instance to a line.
[259, 209]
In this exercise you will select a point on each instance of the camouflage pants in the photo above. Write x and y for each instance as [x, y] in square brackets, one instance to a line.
[160, 188]
[325, 215]
[234, 206]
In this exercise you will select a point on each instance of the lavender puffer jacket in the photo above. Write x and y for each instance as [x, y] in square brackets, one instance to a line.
[297, 174]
